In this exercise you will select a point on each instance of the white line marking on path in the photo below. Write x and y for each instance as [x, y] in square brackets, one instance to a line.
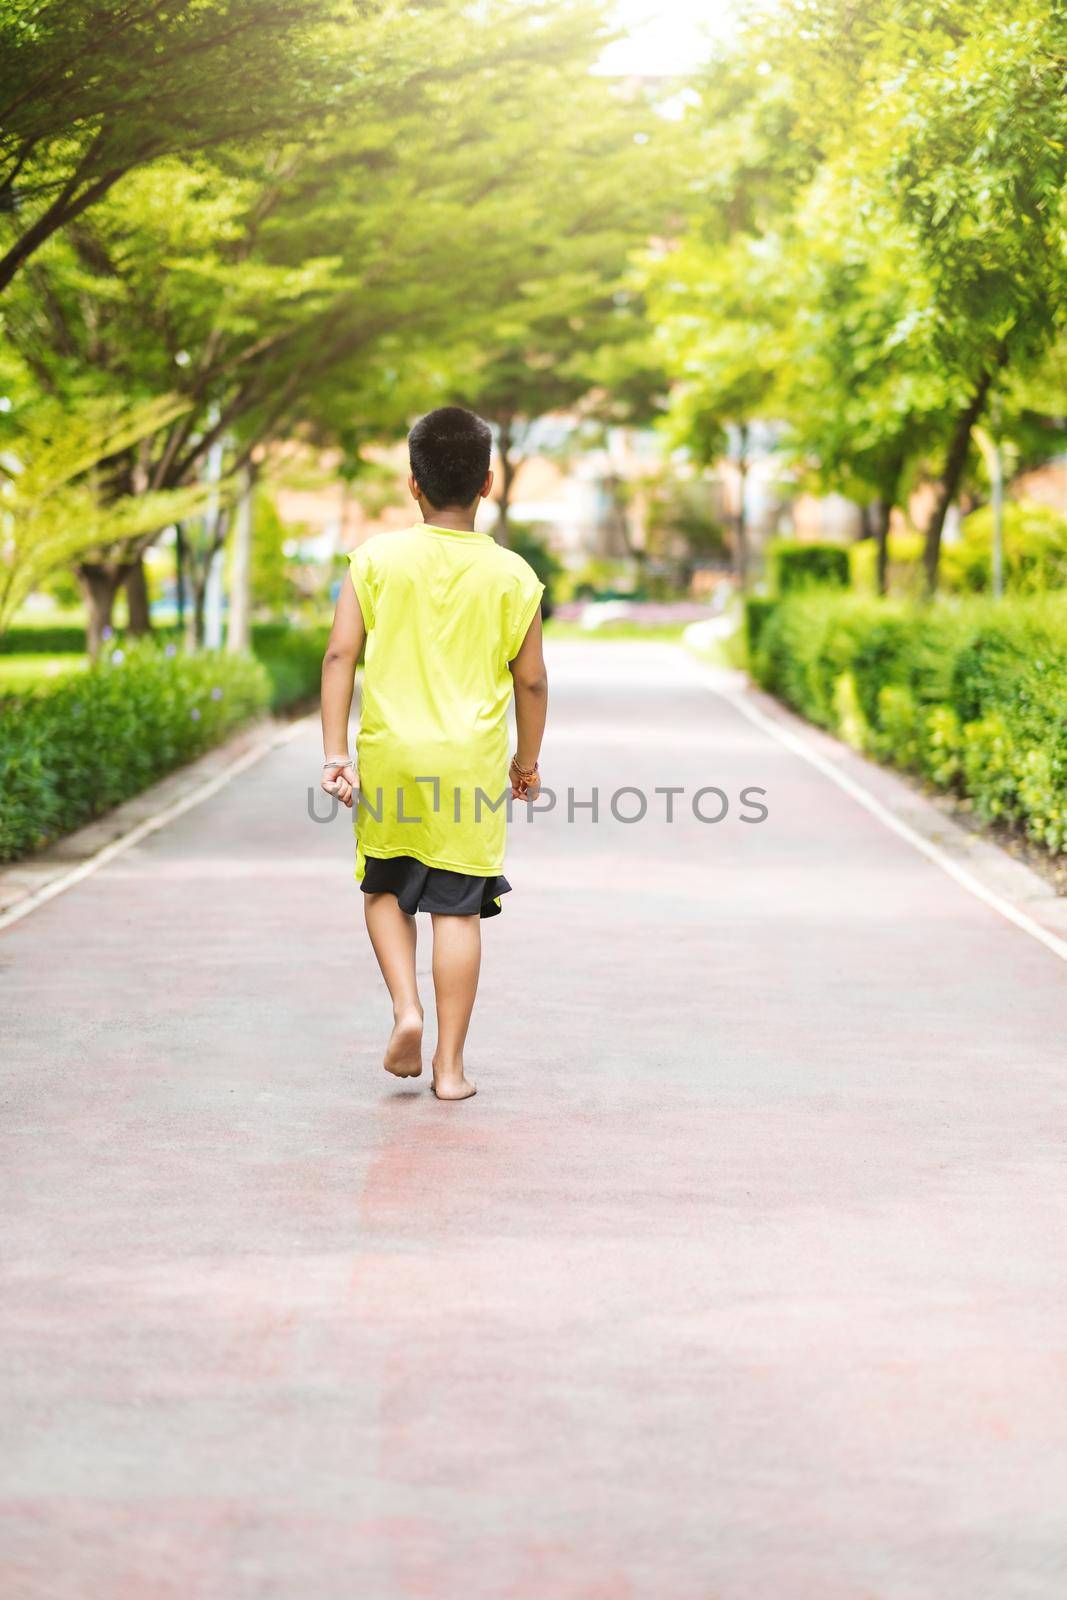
[150, 825]
[903, 830]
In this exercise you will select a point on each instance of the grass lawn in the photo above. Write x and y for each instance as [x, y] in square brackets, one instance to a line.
[615, 630]
[55, 617]
[21, 672]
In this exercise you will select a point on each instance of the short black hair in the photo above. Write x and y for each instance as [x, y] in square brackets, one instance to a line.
[449, 450]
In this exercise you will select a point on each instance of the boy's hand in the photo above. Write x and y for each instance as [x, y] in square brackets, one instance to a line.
[525, 781]
[340, 778]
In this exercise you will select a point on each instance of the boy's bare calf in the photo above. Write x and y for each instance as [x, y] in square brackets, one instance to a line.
[392, 934]
[457, 957]
[457, 950]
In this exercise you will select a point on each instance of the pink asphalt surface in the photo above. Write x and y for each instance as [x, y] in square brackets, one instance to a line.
[742, 1278]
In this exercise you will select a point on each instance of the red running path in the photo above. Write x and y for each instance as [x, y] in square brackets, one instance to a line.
[743, 1278]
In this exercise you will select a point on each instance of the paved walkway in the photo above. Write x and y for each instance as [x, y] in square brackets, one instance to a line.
[743, 1278]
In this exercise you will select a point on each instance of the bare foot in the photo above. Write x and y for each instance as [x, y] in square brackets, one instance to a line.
[403, 1053]
[450, 1084]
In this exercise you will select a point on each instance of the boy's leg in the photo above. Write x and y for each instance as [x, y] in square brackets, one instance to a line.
[457, 954]
[392, 934]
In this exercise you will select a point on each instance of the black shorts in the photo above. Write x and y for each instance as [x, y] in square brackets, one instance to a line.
[421, 888]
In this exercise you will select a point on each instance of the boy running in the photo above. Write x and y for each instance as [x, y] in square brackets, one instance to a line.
[451, 622]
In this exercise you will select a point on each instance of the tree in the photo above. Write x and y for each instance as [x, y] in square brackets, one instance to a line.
[950, 119]
[722, 311]
[877, 247]
[680, 525]
[53, 508]
[557, 364]
[572, 313]
[91, 91]
[271, 580]
[717, 292]
[862, 389]
[285, 289]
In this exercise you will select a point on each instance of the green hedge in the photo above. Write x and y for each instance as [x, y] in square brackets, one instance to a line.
[793, 567]
[905, 578]
[1035, 551]
[532, 548]
[58, 641]
[291, 655]
[293, 659]
[72, 751]
[796, 566]
[758, 608]
[971, 695]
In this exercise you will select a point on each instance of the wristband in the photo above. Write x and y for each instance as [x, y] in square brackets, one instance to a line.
[340, 761]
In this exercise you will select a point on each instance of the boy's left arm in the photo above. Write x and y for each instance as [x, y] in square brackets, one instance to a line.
[347, 638]
[530, 680]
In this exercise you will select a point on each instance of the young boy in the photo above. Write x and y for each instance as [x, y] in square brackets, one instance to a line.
[452, 625]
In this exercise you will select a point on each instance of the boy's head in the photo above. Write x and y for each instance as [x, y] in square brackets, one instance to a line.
[450, 450]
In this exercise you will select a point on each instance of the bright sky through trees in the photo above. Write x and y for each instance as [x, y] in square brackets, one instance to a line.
[669, 36]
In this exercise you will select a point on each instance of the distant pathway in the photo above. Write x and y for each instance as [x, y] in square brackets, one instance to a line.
[743, 1278]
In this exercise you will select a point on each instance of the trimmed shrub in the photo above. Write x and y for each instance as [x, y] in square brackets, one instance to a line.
[972, 696]
[291, 655]
[72, 751]
[897, 731]
[59, 641]
[941, 747]
[1035, 551]
[792, 567]
[796, 566]
[293, 660]
[532, 548]
[598, 579]
[1035, 555]
[758, 608]
[904, 565]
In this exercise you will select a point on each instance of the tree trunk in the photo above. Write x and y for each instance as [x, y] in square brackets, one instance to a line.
[136, 586]
[881, 537]
[179, 575]
[239, 629]
[741, 553]
[100, 585]
[887, 499]
[194, 627]
[955, 461]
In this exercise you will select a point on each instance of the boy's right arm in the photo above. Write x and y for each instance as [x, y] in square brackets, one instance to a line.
[347, 638]
[531, 706]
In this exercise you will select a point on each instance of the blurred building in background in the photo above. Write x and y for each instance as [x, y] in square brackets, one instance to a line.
[599, 498]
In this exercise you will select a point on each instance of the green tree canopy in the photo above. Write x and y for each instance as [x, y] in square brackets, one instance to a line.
[326, 286]
[90, 91]
[887, 207]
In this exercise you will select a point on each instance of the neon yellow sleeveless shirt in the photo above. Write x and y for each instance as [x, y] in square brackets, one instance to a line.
[445, 612]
